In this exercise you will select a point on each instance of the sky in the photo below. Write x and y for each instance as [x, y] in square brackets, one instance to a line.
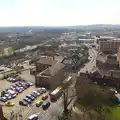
[58, 12]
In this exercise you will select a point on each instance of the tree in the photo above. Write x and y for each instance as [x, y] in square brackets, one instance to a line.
[92, 96]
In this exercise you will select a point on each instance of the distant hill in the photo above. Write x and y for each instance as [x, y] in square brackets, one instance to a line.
[96, 26]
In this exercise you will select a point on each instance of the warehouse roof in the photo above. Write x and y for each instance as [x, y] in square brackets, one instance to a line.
[51, 71]
[48, 61]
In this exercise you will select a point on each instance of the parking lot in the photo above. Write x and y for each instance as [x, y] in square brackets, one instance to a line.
[26, 76]
[23, 110]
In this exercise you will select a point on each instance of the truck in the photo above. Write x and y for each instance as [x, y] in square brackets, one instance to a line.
[54, 95]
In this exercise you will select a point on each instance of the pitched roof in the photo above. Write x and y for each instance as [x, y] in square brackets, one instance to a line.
[101, 58]
[106, 59]
[51, 71]
[48, 61]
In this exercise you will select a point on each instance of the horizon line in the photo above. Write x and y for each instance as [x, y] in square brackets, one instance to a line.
[56, 26]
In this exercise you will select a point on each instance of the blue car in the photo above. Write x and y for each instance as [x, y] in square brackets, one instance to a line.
[30, 97]
[34, 95]
[27, 100]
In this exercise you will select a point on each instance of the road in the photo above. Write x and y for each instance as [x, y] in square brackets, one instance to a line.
[33, 47]
[92, 63]
[56, 108]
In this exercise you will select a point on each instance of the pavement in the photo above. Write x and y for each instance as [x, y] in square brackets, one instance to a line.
[56, 108]
[27, 76]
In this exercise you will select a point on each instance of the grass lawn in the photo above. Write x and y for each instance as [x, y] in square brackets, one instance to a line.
[116, 113]
[112, 113]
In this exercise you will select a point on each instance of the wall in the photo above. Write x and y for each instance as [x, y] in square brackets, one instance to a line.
[43, 81]
[118, 56]
[41, 67]
[109, 46]
[58, 79]
[51, 82]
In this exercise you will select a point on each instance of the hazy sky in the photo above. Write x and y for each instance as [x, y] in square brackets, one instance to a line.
[58, 12]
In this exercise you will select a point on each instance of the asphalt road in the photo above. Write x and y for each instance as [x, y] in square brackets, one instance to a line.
[92, 63]
[56, 108]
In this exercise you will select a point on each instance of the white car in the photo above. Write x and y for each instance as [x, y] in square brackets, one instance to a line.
[38, 94]
[30, 83]
[33, 117]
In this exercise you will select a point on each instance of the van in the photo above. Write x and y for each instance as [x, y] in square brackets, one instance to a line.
[33, 117]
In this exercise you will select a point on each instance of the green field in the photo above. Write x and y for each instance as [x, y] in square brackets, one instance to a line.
[112, 113]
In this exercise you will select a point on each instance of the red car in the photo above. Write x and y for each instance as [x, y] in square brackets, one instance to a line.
[44, 97]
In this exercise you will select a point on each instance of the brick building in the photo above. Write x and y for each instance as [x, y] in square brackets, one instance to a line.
[52, 77]
[118, 56]
[44, 63]
[109, 46]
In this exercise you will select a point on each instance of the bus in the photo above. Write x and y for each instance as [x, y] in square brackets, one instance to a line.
[54, 95]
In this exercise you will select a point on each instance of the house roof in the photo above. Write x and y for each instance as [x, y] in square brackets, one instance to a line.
[101, 58]
[48, 61]
[116, 73]
[106, 59]
[51, 71]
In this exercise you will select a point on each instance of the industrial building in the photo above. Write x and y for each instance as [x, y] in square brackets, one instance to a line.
[52, 77]
[44, 63]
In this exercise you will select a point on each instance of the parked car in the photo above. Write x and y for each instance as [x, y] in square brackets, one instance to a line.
[18, 84]
[44, 97]
[8, 96]
[9, 79]
[18, 89]
[24, 86]
[9, 103]
[3, 99]
[23, 103]
[30, 97]
[30, 83]
[33, 117]
[39, 91]
[42, 89]
[14, 80]
[27, 100]
[27, 84]
[34, 95]
[38, 94]
[45, 105]
[13, 95]
[12, 92]
[12, 88]
[39, 103]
